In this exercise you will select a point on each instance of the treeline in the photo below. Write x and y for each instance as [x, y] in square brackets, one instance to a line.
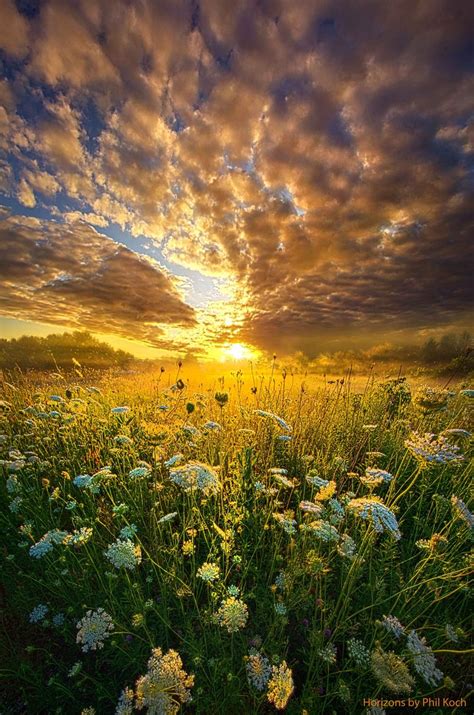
[65, 350]
[452, 352]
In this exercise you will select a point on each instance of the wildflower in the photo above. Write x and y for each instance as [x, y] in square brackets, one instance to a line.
[280, 686]
[427, 449]
[196, 475]
[120, 410]
[374, 473]
[233, 590]
[436, 542]
[337, 511]
[93, 629]
[392, 625]
[165, 686]
[462, 511]
[139, 472]
[125, 702]
[59, 620]
[138, 620]
[391, 671]
[259, 486]
[284, 481]
[280, 609]
[322, 530]
[375, 511]
[212, 426]
[82, 481]
[258, 670]
[173, 460]
[15, 505]
[168, 517]
[424, 661]
[346, 547]
[129, 531]
[451, 633]
[358, 652]
[328, 654]
[187, 548]
[88, 711]
[123, 553]
[280, 422]
[40, 549]
[284, 438]
[209, 572]
[286, 521]
[38, 613]
[277, 470]
[309, 506]
[79, 537]
[280, 580]
[232, 614]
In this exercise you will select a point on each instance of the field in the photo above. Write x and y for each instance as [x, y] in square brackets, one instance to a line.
[239, 544]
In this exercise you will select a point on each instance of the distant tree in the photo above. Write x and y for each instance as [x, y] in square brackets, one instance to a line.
[429, 351]
[58, 350]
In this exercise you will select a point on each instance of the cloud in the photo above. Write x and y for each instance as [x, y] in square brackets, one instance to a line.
[76, 277]
[318, 155]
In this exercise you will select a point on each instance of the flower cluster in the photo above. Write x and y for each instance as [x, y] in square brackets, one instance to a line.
[279, 420]
[280, 686]
[328, 654]
[93, 629]
[322, 530]
[311, 507]
[125, 702]
[374, 510]
[46, 543]
[286, 522]
[208, 572]
[346, 547]
[424, 661]
[392, 625]
[462, 511]
[165, 686]
[374, 477]
[196, 475]
[258, 670]
[429, 449]
[123, 553]
[358, 652]
[391, 671]
[232, 614]
[38, 613]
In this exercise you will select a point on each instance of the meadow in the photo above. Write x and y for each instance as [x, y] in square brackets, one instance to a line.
[239, 544]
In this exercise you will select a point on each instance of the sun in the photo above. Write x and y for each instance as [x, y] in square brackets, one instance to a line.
[237, 351]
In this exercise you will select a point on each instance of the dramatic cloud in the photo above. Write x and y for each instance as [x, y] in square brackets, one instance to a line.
[316, 154]
[74, 276]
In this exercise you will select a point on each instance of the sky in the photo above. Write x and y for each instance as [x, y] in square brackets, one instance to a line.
[187, 175]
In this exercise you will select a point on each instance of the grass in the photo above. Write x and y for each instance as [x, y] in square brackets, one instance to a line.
[309, 591]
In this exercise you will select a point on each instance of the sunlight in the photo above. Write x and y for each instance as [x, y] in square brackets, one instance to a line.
[237, 351]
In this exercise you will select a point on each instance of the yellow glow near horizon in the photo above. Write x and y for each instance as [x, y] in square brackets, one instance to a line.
[237, 351]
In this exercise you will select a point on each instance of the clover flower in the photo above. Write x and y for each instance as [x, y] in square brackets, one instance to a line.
[462, 511]
[392, 625]
[358, 652]
[38, 613]
[374, 510]
[322, 530]
[125, 702]
[123, 553]
[258, 670]
[280, 686]
[232, 614]
[165, 686]
[391, 671]
[196, 475]
[93, 629]
[424, 661]
[279, 420]
[209, 572]
[427, 449]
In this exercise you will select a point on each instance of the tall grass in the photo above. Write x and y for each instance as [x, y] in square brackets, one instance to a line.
[312, 595]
